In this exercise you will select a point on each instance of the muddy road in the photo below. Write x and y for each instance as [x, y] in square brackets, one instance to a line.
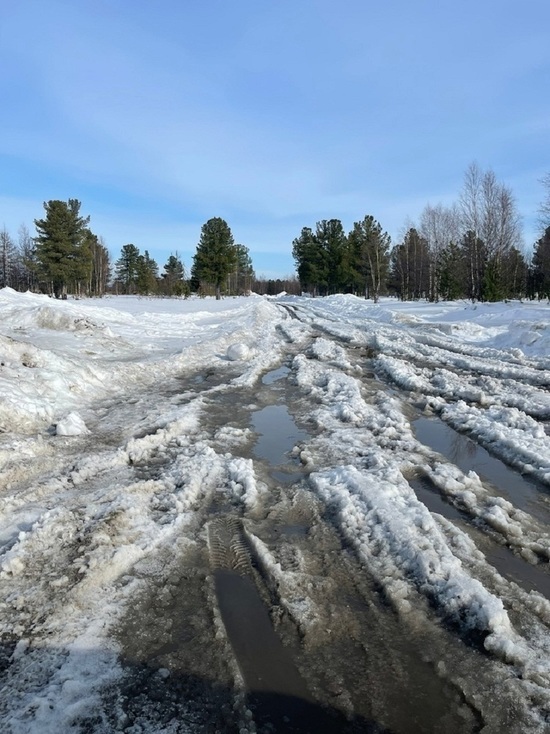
[282, 582]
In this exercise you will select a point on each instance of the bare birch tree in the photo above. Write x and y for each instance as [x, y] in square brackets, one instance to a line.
[544, 208]
[439, 226]
[488, 211]
[27, 258]
[7, 258]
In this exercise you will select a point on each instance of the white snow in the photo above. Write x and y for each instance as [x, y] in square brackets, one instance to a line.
[237, 352]
[129, 382]
[72, 425]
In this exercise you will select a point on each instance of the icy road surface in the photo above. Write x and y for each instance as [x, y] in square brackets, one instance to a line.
[258, 515]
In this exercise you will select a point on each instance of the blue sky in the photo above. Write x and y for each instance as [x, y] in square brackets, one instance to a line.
[272, 114]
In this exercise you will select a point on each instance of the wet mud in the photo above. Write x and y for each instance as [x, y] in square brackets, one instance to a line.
[275, 620]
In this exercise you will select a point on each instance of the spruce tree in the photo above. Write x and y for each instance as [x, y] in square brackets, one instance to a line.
[62, 256]
[173, 279]
[215, 256]
[541, 266]
[126, 269]
[369, 246]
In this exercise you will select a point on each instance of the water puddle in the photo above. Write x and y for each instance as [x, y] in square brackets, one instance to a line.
[429, 496]
[264, 662]
[276, 430]
[513, 568]
[295, 530]
[334, 665]
[277, 434]
[522, 492]
[277, 695]
[275, 375]
[530, 578]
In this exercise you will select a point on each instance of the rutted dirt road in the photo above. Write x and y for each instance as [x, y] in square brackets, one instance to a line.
[265, 608]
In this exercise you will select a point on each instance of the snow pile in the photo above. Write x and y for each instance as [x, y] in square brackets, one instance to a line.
[507, 432]
[72, 425]
[243, 484]
[327, 351]
[57, 357]
[397, 537]
[36, 384]
[238, 351]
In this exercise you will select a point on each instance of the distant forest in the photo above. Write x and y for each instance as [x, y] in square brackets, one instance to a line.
[472, 250]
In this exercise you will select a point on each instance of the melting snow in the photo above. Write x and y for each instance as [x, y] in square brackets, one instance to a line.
[75, 519]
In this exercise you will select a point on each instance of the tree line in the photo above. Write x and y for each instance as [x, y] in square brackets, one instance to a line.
[220, 266]
[471, 249]
[66, 257]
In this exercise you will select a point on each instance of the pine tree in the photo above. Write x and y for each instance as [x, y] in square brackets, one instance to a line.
[370, 253]
[311, 262]
[332, 241]
[240, 279]
[541, 266]
[61, 252]
[126, 269]
[215, 256]
[173, 281]
[147, 274]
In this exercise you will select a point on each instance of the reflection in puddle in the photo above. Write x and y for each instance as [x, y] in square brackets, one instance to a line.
[265, 663]
[277, 434]
[513, 568]
[295, 531]
[275, 375]
[530, 578]
[526, 494]
[429, 496]
[276, 429]
[276, 692]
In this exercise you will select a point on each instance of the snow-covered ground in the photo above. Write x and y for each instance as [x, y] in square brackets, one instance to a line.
[124, 420]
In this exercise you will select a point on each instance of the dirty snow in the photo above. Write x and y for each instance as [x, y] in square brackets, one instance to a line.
[93, 392]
